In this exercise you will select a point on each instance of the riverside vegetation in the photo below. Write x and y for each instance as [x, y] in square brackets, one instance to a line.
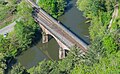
[102, 57]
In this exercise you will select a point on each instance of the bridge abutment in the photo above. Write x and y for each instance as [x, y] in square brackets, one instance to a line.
[44, 37]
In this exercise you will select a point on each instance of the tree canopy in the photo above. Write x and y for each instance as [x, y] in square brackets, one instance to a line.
[102, 57]
[105, 44]
[53, 7]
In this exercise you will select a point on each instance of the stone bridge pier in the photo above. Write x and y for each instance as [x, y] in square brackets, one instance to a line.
[45, 39]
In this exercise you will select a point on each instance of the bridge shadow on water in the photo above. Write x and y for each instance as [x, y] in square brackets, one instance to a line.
[74, 33]
[71, 31]
[38, 34]
[38, 37]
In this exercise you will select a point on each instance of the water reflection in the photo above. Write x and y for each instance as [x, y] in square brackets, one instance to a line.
[39, 52]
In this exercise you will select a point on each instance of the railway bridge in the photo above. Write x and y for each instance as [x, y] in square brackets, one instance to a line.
[65, 38]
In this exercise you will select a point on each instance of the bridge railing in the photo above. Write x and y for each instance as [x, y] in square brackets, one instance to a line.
[61, 38]
[61, 26]
[65, 29]
[64, 41]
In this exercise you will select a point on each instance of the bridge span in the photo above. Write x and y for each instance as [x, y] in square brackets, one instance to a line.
[65, 38]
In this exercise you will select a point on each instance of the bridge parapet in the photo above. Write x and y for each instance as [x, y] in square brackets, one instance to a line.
[46, 19]
[61, 38]
[66, 30]
[60, 25]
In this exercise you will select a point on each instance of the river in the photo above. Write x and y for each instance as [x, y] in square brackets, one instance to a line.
[39, 52]
[72, 19]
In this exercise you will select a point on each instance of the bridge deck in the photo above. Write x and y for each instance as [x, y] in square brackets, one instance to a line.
[61, 33]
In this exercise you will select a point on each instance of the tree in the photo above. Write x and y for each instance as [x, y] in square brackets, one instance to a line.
[24, 35]
[4, 11]
[3, 65]
[26, 27]
[19, 39]
[11, 2]
[24, 11]
[44, 67]
[106, 65]
[8, 46]
[109, 44]
[53, 7]
[18, 69]
[61, 4]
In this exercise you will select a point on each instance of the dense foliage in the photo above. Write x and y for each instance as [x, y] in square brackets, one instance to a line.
[7, 7]
[18, 69]
[3, 65]
[103, 56]
[100, 14]
[20, 39]
[75, 63]
[53, 7]
[7, 12]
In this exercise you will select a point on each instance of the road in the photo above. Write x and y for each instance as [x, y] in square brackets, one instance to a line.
[8, 28]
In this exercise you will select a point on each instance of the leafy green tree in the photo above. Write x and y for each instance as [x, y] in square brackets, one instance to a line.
[24, 11]
[61, 4]
[98, 59]
[4, 11]
[44, 67]
[104, 42]
[24, 35]
[106, 65]
[100, 14]
[53, 7]
[20, 39]
[26, 27]
[18, 69]
[10, 2]
[7, 46]
[3, 65]
[109, 44]
[1, 1]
